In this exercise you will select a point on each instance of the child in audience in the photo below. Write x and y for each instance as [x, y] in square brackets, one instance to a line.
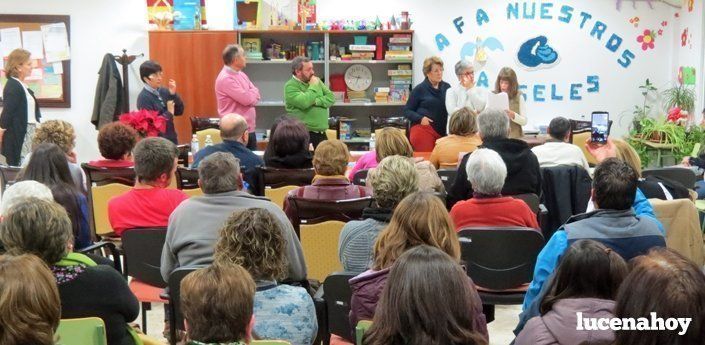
[30, 308]
[668, 284]
[426, 301]
[586, 281]
[227, 321]
[252, 238]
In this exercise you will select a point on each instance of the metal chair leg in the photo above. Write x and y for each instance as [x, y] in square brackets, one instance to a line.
[145, 307]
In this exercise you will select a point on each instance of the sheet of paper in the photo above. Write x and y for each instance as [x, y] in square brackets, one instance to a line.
[56, 42]
[52, 79]
[50, 91]
[32, 41]
[58, 67]
[499, 101]
[10, 39]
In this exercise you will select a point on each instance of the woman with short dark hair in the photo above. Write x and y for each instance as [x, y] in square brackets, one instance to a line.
[165, 101]
[288, 146]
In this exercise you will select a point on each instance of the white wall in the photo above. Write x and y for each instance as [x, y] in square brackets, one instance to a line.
[692, 54]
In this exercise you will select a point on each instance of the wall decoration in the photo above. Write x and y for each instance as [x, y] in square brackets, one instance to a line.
[647, 40]
[684, 37]
[634, 21]
[672, 3]
[536, 53]
[691, 4]
[476, 50]
[686, 75]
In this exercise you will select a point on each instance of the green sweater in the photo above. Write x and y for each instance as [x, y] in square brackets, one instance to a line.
[308, 103]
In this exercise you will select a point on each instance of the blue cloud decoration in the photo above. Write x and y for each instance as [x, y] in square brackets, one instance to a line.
[536, 53]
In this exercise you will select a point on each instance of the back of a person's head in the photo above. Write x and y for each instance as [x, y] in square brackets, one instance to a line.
[559, 128]
[30, 308]
[614, 185]
[588, 269]
[392, 141]
[493, 124]
[58, 132]
[115, 140]
[627, 154]
[217, 303]
[486, 171]
[392, 180]
[288, 136]
[232, 126]
[219, 172]
[463, 122]
[668, 284]
[47, 165]
[39, 227]
[427, 300]
[331, 158]
[252, 238]
[420, 218]
[22, 190]
[154, 157]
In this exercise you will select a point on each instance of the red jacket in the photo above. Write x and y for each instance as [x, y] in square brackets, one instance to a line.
[500, 211]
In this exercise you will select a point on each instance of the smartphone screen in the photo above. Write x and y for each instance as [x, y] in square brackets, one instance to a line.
[600, 127]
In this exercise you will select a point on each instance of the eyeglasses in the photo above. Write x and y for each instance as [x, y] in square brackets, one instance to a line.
[156, 75]
[467, 74]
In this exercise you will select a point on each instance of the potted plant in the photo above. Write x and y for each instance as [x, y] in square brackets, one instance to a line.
[680, 97]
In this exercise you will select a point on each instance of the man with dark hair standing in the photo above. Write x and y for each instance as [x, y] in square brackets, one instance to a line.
[235, 92]
[165, 101]
[557, 150]
[307, 98]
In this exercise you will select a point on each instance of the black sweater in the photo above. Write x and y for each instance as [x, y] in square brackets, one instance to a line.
[150, 101]
[425, 100]
[14, 119]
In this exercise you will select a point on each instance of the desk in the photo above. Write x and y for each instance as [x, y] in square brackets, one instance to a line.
[535, 139]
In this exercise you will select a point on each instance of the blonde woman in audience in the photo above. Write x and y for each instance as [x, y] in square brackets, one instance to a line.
[394, 142]
[252, 238]
[230, 320]
[463, 138]
[62, 134]
[420, 218]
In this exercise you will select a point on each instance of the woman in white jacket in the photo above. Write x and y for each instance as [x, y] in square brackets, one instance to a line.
[465, 95]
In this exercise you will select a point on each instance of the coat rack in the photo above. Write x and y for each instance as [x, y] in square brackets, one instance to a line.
[125, 60]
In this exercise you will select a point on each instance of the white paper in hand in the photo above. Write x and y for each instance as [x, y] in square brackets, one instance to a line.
[498, 101]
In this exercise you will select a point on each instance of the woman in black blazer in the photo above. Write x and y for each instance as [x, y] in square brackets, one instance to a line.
[20, 112]
[154, 97]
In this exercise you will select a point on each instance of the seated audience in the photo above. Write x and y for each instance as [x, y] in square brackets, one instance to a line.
[30, 308]
[668, 284]
[219, 178]
[586, 281]
[628, 231]
[62, 134]
[252, 238]
[149, 203]
[35, 226]
[420, 218]
[229, 321]
[21, 190]
[329, 161]
[233, 131]
[394, 178]
[486, 173]
[558, 150]
[48, 165]
[462, 138]
[115, 142]
[394, 142]
[523, 172]
[426, 301]
[699, 163]
[289, 146]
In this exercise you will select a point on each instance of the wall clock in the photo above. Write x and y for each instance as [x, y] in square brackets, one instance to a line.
[358, 77]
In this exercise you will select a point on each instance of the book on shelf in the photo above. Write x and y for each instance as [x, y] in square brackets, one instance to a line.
[356, 94]
[399, 48]
[381, 89]
[400, 39]
[399, 72]
[360, 100]
[363, 47]
[404, 66]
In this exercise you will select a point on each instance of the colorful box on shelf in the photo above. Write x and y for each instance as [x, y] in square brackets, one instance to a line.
[363, 47]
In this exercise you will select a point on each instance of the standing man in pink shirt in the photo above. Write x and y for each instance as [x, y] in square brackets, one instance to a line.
[235, 92]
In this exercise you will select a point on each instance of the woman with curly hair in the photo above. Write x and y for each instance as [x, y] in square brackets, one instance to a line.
[115, 142]
[252, 239]
[61, 134]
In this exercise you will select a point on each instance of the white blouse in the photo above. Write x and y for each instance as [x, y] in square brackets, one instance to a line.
[31, 105]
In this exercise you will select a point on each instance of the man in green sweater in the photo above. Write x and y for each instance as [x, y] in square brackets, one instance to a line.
[307, 98]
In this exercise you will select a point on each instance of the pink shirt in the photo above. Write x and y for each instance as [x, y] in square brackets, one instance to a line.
[236, 94]
[367, 161]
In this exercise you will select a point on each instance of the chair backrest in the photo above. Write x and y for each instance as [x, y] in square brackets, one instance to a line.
[319, 243]
[99, 197]
[98, 176]
[176, 322]
[379, 122]
[500, 258]
[275, 178]
[311, 211]
[182, 158]
[214, 133]
[684, 176]
[360, 177]
[186, 178]
[360, 329]
[531, 199]
[193, 192]
[143, 252]
[681, 221]
[447, 177]
[696, 150]
[84, 331]
[277, 195]
[337, 294]
[8, 175]
[201, 123]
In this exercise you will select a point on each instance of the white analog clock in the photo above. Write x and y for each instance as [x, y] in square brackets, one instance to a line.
[358, 77]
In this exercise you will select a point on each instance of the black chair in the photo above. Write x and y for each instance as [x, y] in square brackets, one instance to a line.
[360, 177]
[182, 158]
[143, 250]
[105, 249]
[334, 299]
[176, 322]
[685, 177]
[201, 123]
[379, 122]
[500, 261]
[186, 178]
[532, 200]
[8, 175]
[447, 177]
[99, 176]
[276, 178]
[312, 211]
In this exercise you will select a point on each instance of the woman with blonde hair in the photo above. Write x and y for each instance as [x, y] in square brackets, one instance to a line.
[30, 308]
[20, 111]
[463, 138]
[426, 108]
[420, 218]
[507, 82]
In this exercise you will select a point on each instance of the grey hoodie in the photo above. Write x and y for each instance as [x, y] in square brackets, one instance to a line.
[558, 326]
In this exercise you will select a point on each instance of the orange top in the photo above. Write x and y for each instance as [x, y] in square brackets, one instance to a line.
[448, 149]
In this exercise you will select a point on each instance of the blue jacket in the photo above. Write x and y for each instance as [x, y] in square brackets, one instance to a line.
[630, 233]
[148, 100]
[249, 161]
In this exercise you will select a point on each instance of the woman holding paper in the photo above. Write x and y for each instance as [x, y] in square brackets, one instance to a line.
[20, 112]
[507, 83]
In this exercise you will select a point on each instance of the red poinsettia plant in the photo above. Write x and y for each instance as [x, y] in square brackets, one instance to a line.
[147, 123]
[676, 114]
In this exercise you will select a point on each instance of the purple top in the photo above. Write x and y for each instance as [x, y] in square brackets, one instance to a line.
[367, 161]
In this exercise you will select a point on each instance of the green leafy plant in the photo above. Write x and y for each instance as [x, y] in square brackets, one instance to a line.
[680, 96]
[641, 112]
